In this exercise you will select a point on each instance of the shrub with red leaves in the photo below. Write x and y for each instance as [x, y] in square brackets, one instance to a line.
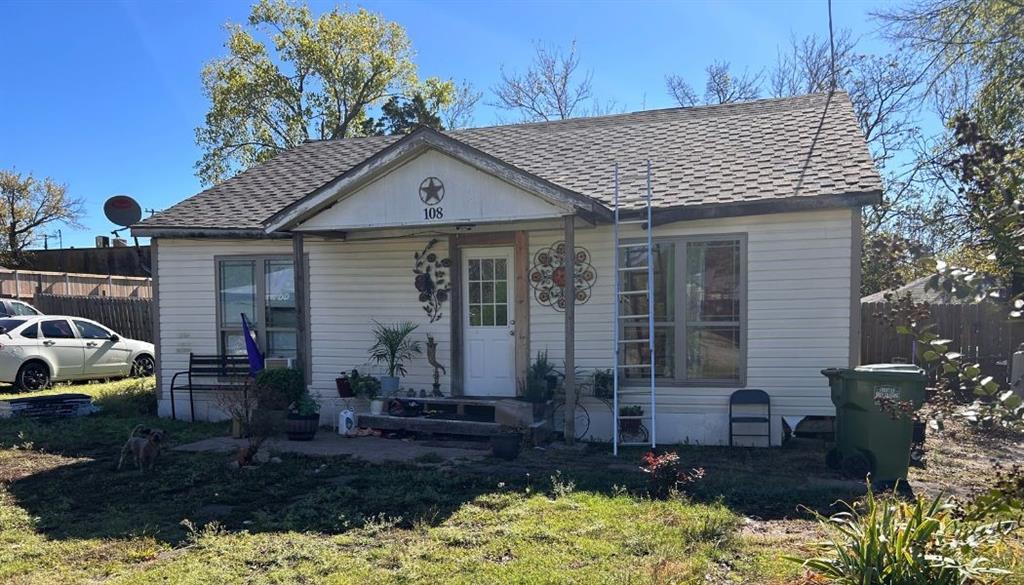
[666, 474]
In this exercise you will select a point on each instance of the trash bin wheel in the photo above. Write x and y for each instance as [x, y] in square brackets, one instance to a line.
[833, 459]
[857, 465]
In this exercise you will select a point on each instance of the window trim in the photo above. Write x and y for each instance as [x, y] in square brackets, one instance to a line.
[681, 324]
[259, 280]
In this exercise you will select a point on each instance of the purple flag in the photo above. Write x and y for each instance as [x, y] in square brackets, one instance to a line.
[253, 350]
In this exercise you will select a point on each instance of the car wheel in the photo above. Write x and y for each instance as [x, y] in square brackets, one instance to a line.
[33, 376]
[143, 366]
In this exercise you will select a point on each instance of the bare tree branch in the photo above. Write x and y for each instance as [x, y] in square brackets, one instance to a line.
[551, 89]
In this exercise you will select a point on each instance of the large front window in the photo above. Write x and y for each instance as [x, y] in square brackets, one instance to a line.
[262, 288]
[698, 310]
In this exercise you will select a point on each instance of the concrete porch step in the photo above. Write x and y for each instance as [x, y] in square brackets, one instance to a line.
[439, 426]
[538, 431]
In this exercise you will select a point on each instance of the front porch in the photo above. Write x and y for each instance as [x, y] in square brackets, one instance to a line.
[475, 276]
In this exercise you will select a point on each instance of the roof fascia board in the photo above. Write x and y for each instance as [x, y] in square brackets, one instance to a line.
[144, 231]
[764, 207]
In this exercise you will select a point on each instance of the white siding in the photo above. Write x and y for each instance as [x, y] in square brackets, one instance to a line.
[186, 271]
[470, 196]
[798, 314]
[798, 319]
[351, 285]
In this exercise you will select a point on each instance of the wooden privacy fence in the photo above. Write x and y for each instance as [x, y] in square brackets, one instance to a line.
[25, 284]
[130, 318]
[982, 332]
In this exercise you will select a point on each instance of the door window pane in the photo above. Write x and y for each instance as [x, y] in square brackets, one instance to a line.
[487, 282]
[237, 292]
[57, 329]
[91, 331]
[713, 353]
[280, 293]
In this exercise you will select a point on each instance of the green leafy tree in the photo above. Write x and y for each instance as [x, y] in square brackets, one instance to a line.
[971, 51]
[27, 207]
[290, 77]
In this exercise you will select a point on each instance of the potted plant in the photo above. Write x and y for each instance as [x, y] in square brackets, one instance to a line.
[394, 348]
[603, 383]
[368, 388]
[507, 444]
[344, 386]
[630, 419]
[276, 389]
[543, 369]
[303, 418]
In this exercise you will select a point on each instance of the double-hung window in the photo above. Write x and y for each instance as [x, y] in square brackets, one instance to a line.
[263, 288]
[699, 308]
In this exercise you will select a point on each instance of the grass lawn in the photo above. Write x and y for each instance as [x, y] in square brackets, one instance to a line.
[561, 515]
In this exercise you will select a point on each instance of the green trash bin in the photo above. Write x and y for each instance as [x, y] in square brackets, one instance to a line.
[868, 438]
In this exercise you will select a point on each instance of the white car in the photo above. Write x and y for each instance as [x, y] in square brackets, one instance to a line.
[38, 350]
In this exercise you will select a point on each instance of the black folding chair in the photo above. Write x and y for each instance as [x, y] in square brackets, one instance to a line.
[750, 397]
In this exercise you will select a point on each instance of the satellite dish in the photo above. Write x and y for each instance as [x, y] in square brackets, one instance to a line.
[122, 210]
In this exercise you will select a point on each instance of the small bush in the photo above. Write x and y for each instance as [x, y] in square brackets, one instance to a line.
[892, 541]
[665, 475]
[279, 387]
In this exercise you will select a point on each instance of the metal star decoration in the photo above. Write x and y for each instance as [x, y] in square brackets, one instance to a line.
[431, 191]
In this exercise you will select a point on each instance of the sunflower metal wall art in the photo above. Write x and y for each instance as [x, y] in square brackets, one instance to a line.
[547, 276]
[432, 280]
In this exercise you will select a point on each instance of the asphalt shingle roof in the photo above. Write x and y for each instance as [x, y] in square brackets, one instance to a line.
[804, 146]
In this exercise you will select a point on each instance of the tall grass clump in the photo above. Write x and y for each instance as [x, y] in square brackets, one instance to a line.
[887, 540]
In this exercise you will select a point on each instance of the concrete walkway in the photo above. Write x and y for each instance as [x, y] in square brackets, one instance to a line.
[327, 444]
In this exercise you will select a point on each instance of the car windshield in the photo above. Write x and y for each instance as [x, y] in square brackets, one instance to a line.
[11, 324]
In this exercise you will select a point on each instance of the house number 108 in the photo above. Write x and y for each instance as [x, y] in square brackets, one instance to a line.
[433, 213]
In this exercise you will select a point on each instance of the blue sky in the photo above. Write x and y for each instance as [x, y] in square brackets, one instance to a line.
[105, 96]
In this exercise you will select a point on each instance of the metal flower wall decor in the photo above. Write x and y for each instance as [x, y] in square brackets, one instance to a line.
[547, 276]
[432, 280]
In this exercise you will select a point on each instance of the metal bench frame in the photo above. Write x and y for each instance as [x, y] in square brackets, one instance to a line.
[213, 372]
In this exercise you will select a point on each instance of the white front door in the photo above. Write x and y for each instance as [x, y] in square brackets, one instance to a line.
[488, 322]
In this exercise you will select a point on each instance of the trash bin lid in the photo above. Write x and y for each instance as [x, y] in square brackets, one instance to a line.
[891, 368]
[878, 372]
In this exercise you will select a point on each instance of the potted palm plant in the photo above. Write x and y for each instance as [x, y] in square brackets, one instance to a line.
[394, 348]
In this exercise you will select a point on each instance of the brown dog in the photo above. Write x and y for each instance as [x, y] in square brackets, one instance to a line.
[144, 445]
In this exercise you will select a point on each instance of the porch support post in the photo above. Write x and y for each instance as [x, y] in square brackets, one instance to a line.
[569, 294]
[521, 263]
[455, 312]
[302, 352]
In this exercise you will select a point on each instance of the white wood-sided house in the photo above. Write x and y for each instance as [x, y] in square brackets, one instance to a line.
[756, 232]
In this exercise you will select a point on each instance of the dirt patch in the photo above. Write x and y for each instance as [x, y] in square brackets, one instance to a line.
[962, 461]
